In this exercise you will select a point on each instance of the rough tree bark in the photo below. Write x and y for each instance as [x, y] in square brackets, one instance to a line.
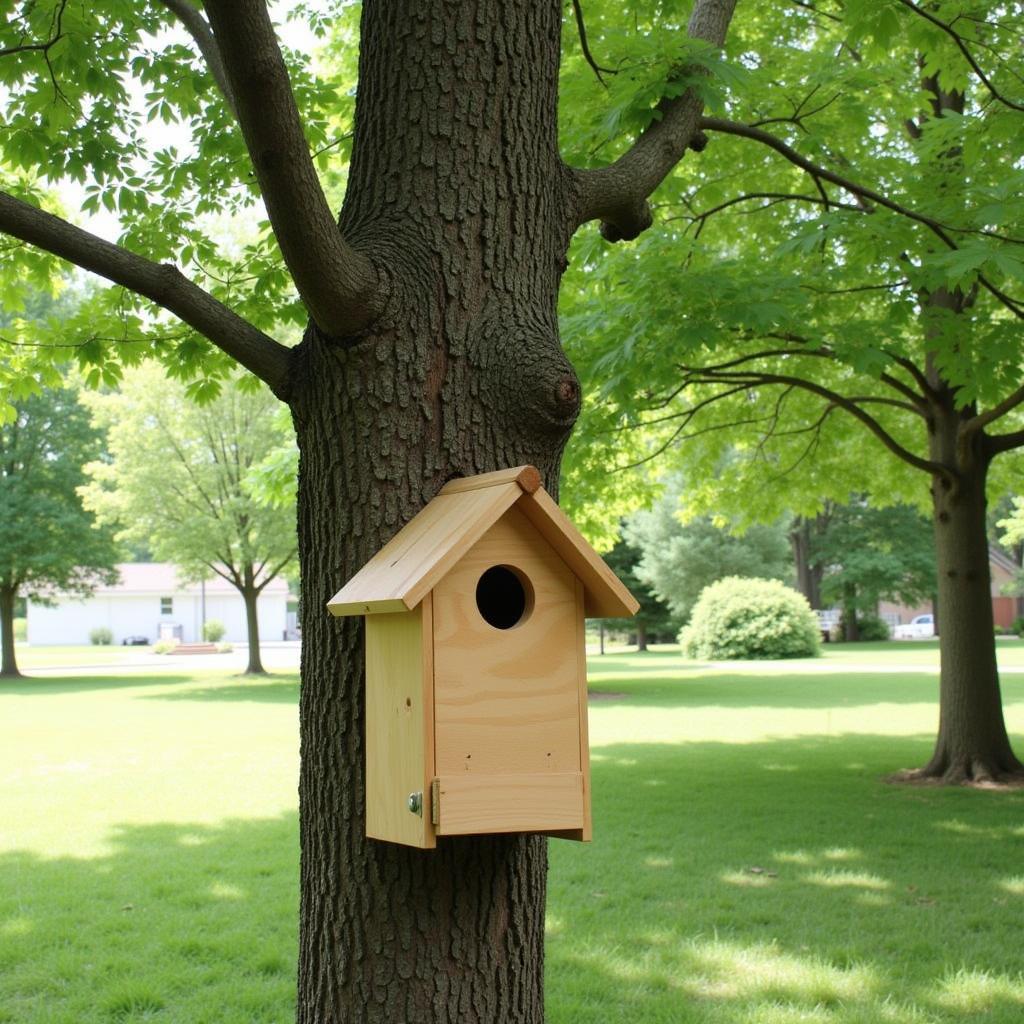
[972, 744]
[458, 191]
[8, 660]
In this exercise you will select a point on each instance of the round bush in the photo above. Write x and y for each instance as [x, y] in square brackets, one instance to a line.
[750, 618]
[101, 636]
[213, 630]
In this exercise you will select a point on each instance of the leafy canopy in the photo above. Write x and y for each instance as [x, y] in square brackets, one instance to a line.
[180, 478]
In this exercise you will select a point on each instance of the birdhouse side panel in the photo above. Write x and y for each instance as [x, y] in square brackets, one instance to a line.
[507, 696]
[399, 726]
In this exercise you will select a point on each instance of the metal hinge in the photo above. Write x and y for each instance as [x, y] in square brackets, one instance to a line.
[435, 802]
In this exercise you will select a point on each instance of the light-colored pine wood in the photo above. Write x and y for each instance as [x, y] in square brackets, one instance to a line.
[507, 701]
[399, 747]
[406, 569]
[607, 597]
[470, 804]
[528, 478]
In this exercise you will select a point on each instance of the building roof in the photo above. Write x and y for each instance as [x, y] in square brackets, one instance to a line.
[411, 564]
[161, 578]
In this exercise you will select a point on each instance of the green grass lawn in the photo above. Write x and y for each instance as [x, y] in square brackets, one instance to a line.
[749, 864]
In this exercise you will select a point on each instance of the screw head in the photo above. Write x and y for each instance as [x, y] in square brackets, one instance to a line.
[416, 803]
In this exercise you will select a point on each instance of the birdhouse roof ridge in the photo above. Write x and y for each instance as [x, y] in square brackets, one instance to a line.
[410, 565]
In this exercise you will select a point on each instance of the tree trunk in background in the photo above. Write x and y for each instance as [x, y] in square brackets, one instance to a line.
[972, 745]
[459, 196]
[851, 629]
[808, 577]
[641, 637]
[8, 660]
[250, 595]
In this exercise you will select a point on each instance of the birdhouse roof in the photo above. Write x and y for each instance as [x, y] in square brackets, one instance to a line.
[411, 564]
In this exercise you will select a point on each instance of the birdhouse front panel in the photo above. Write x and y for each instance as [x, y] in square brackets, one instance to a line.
[508, 698]
[476, 692]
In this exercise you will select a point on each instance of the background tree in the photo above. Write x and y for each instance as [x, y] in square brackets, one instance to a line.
[655, 620]
[873, 150]
[431, 350]
[868, 555]
[679, 559]
[48, 541]
[178, 478]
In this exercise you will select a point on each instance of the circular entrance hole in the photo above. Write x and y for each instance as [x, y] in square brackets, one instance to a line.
[503, 597]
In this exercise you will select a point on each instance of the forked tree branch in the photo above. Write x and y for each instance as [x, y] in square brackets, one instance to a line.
[617, 194]
[1008, 404]
[199, 29]
[338, 285]
[163, 284]
[751, 378]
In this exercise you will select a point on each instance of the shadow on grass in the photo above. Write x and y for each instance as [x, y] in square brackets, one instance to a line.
[780, 882]
[177, 920]
[763, 883]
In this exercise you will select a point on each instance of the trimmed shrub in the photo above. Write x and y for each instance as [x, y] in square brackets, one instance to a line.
[1017, 626]
[871, 627]
[100, 636]
[213, 630]
[164, 646]
[21, 630]
[750, 618]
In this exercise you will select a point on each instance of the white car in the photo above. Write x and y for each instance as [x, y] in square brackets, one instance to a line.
[919, 627]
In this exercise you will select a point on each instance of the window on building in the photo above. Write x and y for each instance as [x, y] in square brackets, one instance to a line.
[166, 605]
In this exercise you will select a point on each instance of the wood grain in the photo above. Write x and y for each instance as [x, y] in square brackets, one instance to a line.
[399, 747]
[507, 700]
[470, 804]
[528, 478]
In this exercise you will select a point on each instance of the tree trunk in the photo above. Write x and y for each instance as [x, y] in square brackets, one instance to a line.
[641, 637]
[808, 576]
[459, 197]
[972, 745]
[8, 660]
[250, 595]
[851, 628]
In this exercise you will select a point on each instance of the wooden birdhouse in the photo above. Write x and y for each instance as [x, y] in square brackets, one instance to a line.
[476, 689]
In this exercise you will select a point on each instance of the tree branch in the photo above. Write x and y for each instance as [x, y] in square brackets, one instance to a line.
[164, 284]
[962, 47]
[755, 378]
[199, 29]
[995, 444]
[942, 231]
[585, 46]
[339, 286]
[982, 420]
[617, 194]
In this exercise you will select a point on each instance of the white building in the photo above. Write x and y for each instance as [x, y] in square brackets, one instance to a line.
[150, 601]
